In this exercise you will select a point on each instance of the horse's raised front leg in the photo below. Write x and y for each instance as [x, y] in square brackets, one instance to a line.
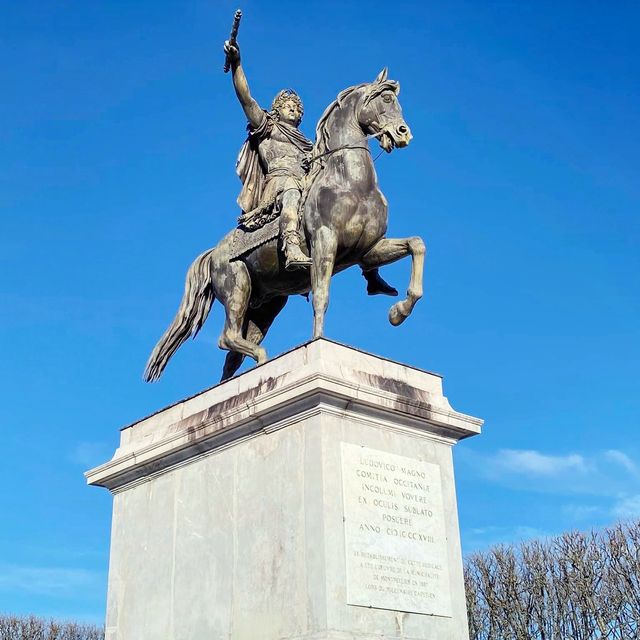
[323, 254]
[389, 250]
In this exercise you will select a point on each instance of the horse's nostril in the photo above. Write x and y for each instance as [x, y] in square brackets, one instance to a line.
[402, 129]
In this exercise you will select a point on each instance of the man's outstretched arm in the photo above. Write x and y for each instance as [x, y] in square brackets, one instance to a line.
[251, 108]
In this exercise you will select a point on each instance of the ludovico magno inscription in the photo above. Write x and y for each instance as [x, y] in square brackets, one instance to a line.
[395, 537]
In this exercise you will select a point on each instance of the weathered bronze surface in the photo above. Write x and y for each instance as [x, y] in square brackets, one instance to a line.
[308, 211]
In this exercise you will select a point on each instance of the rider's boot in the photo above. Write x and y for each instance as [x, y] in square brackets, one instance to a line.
[376, 285]
[295, 258]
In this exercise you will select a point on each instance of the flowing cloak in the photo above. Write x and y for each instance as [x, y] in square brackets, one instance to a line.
[251, 171]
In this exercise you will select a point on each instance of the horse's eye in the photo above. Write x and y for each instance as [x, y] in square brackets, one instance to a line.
[387, 98]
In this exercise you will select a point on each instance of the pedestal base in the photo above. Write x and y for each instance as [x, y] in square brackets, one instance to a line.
[310, 498]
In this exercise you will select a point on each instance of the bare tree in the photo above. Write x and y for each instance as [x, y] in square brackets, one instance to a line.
[33, 628]
[582, 586]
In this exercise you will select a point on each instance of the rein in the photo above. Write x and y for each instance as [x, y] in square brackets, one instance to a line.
[346, 146]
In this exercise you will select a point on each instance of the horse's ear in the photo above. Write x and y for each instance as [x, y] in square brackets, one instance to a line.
[382, 76]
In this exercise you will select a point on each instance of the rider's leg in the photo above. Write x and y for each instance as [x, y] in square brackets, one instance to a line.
[376, 284]
[289, 230]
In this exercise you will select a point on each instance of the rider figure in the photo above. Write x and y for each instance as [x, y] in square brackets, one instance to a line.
[272, 166]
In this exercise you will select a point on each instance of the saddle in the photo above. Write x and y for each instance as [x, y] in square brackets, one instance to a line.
[263, 224]
[245, 241]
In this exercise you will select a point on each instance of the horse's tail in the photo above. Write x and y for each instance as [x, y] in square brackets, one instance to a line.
[194, 309]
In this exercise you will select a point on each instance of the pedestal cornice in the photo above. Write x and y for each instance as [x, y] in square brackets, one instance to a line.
[320, 376]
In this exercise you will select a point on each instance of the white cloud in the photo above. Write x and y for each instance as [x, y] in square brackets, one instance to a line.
[532, 462]
[627, 507]
[613, 455]
[581, 511]
[607, 473]
[604, 485]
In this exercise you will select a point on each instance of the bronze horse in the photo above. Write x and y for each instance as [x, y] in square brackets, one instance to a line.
[344, 219]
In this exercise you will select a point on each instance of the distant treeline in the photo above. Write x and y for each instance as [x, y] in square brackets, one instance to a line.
[578, 586]
[32, 628]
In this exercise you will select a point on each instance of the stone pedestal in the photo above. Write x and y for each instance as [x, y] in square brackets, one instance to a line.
[309, 498]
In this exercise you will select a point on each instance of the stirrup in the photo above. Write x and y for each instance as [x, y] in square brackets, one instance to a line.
[295, 258]
[297, 262]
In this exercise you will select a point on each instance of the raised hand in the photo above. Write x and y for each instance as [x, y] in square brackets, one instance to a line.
[232, 51]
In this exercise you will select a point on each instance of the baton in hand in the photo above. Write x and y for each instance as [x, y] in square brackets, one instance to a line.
[233, 36]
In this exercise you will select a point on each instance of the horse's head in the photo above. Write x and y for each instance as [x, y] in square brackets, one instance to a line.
[381, 115]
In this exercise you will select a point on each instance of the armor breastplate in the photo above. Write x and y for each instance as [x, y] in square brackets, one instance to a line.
[281, 155]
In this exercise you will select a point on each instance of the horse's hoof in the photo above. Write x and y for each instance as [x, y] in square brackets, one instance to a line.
[396, 317]
[262, 357]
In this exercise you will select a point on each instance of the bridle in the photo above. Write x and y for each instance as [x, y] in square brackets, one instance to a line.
[313, 159]
[354, 145]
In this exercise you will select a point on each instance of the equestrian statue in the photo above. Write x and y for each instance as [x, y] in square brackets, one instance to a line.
[308, 211]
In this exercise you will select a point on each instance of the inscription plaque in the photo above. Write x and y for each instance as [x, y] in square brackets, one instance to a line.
[395, 537]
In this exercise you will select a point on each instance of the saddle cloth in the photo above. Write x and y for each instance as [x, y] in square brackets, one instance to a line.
[245, 242]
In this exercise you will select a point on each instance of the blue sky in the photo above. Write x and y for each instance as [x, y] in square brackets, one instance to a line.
[118, 137]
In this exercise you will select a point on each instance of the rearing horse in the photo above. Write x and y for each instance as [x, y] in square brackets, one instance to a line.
[344, 220]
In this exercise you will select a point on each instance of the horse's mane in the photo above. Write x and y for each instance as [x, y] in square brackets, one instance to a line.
[376, 88]
[321, 145]
[322, 134]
